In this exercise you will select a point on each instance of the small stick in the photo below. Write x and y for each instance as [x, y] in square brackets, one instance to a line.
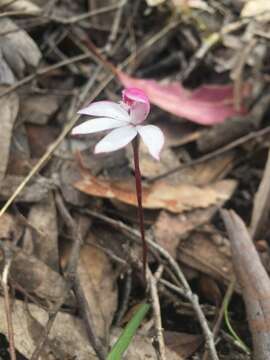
[156, 310]
[42, 341]
[138, 180]
[253, 280]
[61, 20]
[115, 25]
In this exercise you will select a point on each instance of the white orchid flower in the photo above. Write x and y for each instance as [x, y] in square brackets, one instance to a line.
[124, 119]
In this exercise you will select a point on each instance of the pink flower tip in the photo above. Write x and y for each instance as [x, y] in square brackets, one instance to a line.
[131, 95]
[138, 103]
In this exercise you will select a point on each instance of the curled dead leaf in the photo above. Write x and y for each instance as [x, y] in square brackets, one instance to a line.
[160, 195]
[17, 52]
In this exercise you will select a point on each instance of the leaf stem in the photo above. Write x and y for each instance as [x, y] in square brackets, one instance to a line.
[138, 180]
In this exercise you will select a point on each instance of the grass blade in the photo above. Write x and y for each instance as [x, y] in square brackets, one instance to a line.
[130, 330]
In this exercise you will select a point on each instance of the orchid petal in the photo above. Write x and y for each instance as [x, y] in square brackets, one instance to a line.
[138, 113]
[106, 109]
[116, 139]
[96, 125]
[153, 138]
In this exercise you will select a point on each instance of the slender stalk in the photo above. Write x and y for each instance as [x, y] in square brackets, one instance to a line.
[138, 180]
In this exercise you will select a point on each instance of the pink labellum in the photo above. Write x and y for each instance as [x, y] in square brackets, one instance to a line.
[207, 105]
[138, 102]
[134, 94]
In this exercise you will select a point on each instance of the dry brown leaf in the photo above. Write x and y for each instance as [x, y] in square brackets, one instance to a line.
[97, 279]
[33, 192]
[20, 5]
[10, 228]
[69, 173]
[150, 167]
[9, 109]
[181, 343]
[209, 253]
[41, 239]
[17, 52]
[34, 276]
[175, 198]
[210, 290]
[40, 138]
[207, 172]
[20, 162]
[170, 228]
[67, 339]
[38, 109]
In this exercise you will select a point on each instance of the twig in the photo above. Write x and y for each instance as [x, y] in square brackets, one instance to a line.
[43, 340]
[4, 280]
[115, 26]
[156, 310]
[198, 56]
[61, 20]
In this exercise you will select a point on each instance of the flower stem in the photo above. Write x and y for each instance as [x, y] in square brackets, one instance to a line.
[138, 180]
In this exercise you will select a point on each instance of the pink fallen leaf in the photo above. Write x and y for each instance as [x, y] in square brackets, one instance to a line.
[206, 105]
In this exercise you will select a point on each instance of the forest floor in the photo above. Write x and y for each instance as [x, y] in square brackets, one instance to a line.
[71, 254]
